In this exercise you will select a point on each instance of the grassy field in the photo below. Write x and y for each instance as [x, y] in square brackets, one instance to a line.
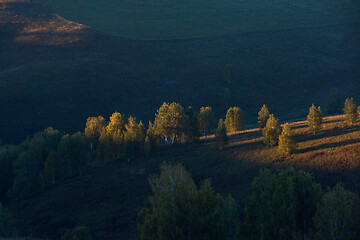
[108, 198]
[157, 19]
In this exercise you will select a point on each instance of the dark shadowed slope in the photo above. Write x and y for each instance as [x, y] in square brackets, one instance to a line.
[57, 73]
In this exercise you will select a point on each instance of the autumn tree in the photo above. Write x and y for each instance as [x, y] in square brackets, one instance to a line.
[287, 143]
[93, 129]
[314, 119]
[134, 137]
[178, 210]
[263, 116]
[282, 206]
[350, 111]
[333, 105]
[234, 120]
[220, 136]
[271, 132]
[338, 215]
[170, 121]
[206, 120]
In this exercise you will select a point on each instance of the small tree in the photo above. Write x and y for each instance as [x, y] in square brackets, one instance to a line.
[77, 233]
[338, 215]
[287, 143]
[263, 116]
[206, 120]
[234, 119]
[350, 111]
[94, 126]
[314, 119]
[229, 75]
[271, 132]
[220, 136]
[333, 105]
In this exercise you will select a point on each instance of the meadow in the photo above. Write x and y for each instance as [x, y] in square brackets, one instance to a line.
[156, 19]
[107, 198]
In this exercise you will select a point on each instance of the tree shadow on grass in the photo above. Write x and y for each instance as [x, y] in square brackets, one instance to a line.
[336, 131]
[329, 145]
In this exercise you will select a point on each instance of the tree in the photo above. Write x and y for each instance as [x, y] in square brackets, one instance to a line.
[282, 206]
[178, 210]
[206, 120]
[93, 129]
[234, 120]
[192, 128]
[271, 132]
[117, 123]
[338, 215]
[7, 223]
[358, 113]
[220, 136]
[170, 121]
[77, 233]
[263, 116]
[229, 75]
[287, 143]
[333, 105]
[314, 119]
[350, 111]
[134, 137]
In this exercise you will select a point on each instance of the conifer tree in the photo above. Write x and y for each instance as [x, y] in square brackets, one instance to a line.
[192, 128]
[314, 119]
[263, 116]
[234, 119]
[220, 136]
[287, 143]
[350, 111]
[116, 123]
[271, 131]
[206, 120]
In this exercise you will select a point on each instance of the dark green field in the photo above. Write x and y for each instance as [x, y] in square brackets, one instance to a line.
[156, 19]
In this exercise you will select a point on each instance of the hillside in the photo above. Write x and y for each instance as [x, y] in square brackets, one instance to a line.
[54, 72]
[108, 198]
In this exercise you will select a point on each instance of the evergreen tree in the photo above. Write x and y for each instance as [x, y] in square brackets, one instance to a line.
[287, 143]
[350, 111]
[271, 132]
[338, 215]
[192, 128]
[206, 120]
[229, 75]
[116, 124]
[170, 121]
[333, 105]
[282, 206]
[234, 120]
[220, 136]
[77, 233]
[94, 127]
[263, 116]
[7, 223]
[178, 210]
[314, 119]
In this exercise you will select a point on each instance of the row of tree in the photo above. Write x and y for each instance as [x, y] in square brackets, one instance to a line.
[284, 205]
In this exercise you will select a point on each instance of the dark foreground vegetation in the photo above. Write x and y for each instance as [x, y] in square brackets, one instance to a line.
[47, 163]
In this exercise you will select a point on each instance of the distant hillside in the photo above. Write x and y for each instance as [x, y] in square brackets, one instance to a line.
[108, 198]
[57, 73]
